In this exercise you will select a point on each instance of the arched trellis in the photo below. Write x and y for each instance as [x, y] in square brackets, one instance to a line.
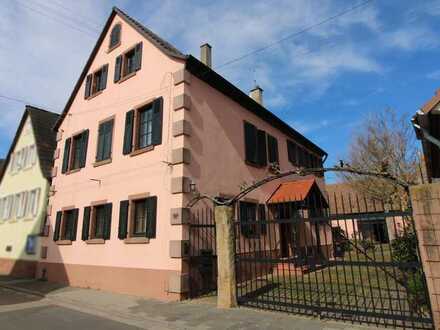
[299, 172]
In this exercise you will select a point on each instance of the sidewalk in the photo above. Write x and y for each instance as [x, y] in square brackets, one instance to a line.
[200, 314]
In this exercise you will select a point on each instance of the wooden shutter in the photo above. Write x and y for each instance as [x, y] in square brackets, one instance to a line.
[157, 121]
[103, 82]
[272, 144]
[151, 216]
[123, 219]
[56, 232]
[262, 217]
[108, 220]
[261, 148]
[128, 134]
[86, 224]
[84, 144]
[100, 149]
[250, 142]
[75, 224]
[88, 90]
[138, 56]
[66, 156]
[118, 68]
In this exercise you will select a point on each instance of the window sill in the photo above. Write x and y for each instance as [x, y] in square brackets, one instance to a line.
[141, 151]
[137, 240]
[73, 171]
[128, 76]
[95, 241]
[64, 242]
[102, 162]
[110, 49]
[94, 95]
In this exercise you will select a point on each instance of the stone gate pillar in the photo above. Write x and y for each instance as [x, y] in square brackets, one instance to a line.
[225, 243]
[425, 200]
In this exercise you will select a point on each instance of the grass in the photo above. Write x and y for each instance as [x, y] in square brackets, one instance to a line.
[370, 293]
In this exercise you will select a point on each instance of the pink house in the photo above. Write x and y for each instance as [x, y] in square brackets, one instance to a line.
[145, 127]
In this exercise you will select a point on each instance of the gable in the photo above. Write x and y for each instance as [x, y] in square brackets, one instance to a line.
[131, 33]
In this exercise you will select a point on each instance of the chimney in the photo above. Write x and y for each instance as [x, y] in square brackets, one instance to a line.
[257, 94]
[206, 55]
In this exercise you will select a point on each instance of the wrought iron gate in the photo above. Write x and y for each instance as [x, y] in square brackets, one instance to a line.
[360, 264]
[202, 254]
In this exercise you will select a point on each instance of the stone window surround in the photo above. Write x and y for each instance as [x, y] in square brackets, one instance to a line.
[136, 150]
[64, 210]
[130, 238]
[92, 239]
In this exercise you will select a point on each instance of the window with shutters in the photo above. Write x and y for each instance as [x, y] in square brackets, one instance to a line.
[105, 139]
[248, 219]
[272, 145]
[115, 37]
[128, 63]
[255, 145]
[97, 223]
[75, 152]
[96, 82]
[137, 219]
[68, 225]
[143, 128]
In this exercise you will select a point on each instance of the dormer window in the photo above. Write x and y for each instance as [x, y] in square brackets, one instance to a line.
[115, 37]
[96, 82]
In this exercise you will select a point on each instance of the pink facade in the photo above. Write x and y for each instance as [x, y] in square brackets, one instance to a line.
[202, 142]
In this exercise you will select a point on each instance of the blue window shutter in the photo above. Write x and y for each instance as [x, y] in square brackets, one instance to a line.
[84, 144]
[118, 68]
[108, 220]
[123, 219]
[56, 232]
[88, 90]
[103, 82]
[151, 217]
[138, 56]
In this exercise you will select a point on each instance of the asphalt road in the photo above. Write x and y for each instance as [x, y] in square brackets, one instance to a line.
[21, 311]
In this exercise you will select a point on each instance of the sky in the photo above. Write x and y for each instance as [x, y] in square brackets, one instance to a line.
[323, 81]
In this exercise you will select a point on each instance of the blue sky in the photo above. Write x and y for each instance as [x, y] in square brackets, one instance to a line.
[323, 82]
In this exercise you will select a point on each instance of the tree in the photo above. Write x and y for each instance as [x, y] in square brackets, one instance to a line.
[384, 143]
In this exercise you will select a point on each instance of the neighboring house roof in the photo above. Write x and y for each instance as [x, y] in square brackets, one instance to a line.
[45, 138]
[293, 191]
[2, 163]
[198, 69]
[435, 100]
[343, 199]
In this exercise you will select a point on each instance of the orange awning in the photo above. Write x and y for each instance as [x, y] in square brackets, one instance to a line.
[293, 191]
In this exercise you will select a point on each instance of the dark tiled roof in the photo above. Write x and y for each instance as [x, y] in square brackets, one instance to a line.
[45, 138]
[201, 71]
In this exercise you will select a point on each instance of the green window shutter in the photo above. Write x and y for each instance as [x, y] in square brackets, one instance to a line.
[261, 148]
[123, 219]
[151, 216]
[108, 137]
[75, 224]
[118, 68]
[56, 232]
[250, 142]
[272, 144]
[138, 56]
[84, 144]
[108, 220]
[86, 224]
[128, 134]
[103, 82]
[88, 89]
[157, 121]
[66, 156]
[100, 149]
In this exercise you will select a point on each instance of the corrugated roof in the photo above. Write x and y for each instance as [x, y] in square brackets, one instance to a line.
[45, 138]
[292, 191]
